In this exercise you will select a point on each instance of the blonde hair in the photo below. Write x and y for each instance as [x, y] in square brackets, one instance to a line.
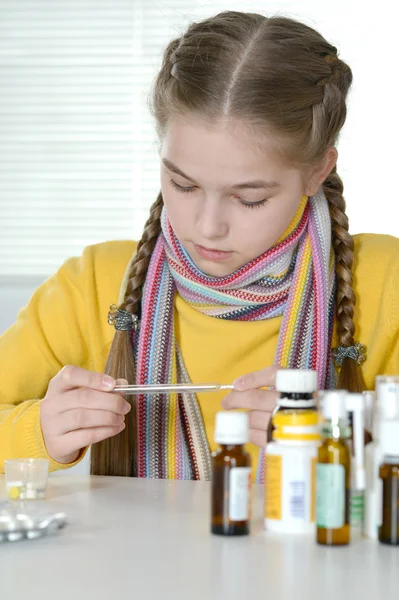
[281, 78]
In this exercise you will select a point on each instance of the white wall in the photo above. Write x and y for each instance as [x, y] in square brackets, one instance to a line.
[14, 295]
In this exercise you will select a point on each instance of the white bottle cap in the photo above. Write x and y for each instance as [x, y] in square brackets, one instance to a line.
[333, 405]
[232, 427]
[387, 388]
[389, 438]
[299, 381]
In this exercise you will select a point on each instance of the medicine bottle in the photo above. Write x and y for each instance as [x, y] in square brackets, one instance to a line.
[355, 407]
[291, 456]
[385, 408]
[333, 472]
[388, 532]
[231, 475]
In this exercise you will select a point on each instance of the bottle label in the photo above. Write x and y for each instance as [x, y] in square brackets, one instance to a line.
[330, 496]
[239, 491]
[273, 487]
[290, 485]
[356, 509]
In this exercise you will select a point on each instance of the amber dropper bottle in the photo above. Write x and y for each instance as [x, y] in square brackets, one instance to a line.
[388, 532]
[333, 472]
[231, 475]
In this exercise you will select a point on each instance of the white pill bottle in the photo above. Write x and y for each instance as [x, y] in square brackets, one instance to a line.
[291, 456]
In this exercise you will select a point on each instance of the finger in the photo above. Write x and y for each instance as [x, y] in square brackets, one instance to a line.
[259, 419]
[82, 418]
[76, 440]
[252, 400]
[71, 377]
[90, 399]
[258, 437]
[257, 379]
[122, 382]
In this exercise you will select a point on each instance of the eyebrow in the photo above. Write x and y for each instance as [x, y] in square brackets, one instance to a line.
[256, 184]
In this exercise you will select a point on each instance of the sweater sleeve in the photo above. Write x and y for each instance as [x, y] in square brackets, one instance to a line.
[50, 332]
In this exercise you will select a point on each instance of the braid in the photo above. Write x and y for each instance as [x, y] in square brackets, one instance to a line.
[141, 261]
[117, 455]
[328, 116]
[329, 112]
[351, 377]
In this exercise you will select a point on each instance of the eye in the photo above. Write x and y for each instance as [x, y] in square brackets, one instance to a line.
[191, 188]
[253, 204]
[181, 188]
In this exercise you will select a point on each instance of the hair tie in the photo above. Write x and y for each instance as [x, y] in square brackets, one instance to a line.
[334, 63]
[357, 352]
[121, 319]
[174, 71]
[331, 59]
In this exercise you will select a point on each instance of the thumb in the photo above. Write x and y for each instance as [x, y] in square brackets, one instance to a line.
[122, 382]
[258, 379]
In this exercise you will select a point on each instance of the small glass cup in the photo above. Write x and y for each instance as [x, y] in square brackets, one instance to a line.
[26, 478]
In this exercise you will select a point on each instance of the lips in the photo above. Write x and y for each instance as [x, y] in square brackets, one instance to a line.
[212, 253]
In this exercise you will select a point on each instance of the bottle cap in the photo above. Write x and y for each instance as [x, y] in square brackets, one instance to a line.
[387, 388]
[296, 381]
[333, 405]
[232, 427]
[389, 440]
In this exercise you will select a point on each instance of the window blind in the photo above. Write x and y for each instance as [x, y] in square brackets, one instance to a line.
[78, 156]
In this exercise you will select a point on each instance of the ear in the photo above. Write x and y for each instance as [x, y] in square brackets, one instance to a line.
[321, 171]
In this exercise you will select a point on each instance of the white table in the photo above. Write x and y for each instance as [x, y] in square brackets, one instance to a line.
[147, 539]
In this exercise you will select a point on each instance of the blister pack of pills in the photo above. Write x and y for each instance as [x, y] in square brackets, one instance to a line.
[27, 520]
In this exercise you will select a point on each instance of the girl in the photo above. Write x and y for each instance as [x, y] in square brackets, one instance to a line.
[245, 262]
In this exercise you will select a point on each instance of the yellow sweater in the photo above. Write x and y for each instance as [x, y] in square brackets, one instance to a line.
[65, 322]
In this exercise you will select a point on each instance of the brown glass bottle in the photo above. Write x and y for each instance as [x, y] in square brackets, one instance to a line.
[388, 532]
[336, 452]
[231, 476]
[333, 474]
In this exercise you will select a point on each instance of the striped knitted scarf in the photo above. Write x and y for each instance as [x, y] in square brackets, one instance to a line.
[295, 278]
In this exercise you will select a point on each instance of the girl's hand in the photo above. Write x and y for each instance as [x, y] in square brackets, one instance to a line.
[78, 410]
[259, 403]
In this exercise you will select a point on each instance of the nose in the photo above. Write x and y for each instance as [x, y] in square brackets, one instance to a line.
[212, 220]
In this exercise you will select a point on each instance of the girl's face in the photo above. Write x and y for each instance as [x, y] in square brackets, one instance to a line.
[227, 200]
